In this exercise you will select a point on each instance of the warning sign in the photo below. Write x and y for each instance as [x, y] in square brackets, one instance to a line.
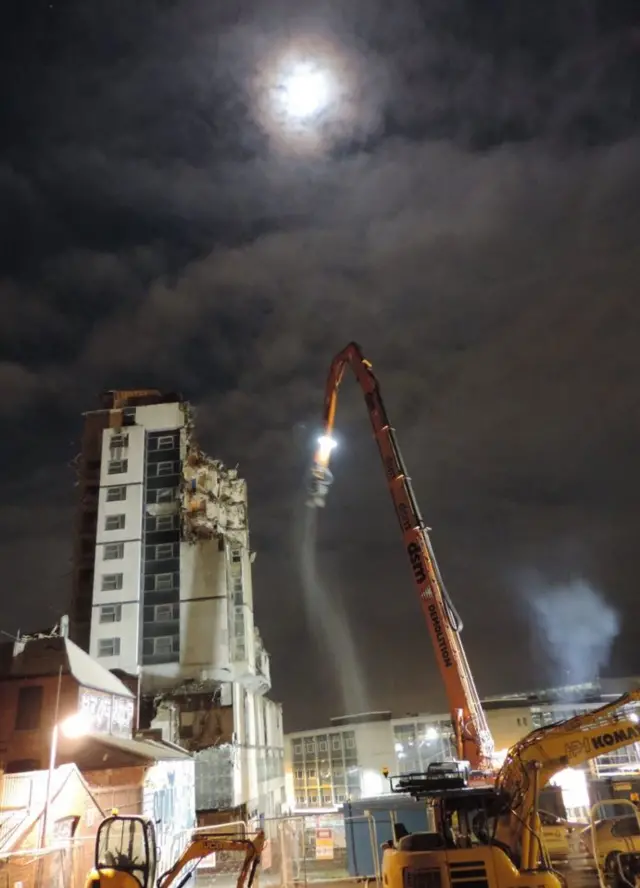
[324, 844]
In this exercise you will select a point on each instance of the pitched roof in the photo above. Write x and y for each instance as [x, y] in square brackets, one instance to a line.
[37, 657]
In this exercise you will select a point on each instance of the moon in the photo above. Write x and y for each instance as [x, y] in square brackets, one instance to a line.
[305, 93]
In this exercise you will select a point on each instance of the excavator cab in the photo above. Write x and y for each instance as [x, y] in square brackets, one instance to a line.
[460, 844]
[126, 853]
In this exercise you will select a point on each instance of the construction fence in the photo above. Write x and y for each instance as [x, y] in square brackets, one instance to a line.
[299, 850]
[62, 867]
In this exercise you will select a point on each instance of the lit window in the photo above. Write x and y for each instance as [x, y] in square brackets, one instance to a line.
[117, 466]
[166, 442]
[164, 551]
[114, 522]
[111, 582]
[113, 551]
[108, 647]
[164, 582]
[110, 613]
[116, 494]
[165, 468]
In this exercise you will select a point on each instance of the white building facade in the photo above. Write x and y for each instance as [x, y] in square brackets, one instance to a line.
[171, 579]
[344, 761]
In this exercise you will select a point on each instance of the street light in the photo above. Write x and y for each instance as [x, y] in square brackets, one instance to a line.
[73, 727]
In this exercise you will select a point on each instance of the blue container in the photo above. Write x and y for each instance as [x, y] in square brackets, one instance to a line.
[368, 822]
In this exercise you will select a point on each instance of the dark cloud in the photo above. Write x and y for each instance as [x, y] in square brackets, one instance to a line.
[476, 229]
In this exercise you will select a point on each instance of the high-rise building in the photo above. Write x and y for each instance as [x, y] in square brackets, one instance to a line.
[162, 590]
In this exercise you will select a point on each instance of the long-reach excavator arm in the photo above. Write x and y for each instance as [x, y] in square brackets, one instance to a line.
[532, 762]
[473, 738]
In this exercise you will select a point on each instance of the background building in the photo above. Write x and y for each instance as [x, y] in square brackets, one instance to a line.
[327, 766]
[163, 590]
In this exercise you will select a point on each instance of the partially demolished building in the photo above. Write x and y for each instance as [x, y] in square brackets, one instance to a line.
[163, 591]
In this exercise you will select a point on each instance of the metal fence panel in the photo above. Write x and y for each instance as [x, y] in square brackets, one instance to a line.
[312, 849]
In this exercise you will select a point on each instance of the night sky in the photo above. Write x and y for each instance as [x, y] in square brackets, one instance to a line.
[468, 209]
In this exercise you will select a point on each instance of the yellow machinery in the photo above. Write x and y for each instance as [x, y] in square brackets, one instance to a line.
[126, 855]
[491, 837]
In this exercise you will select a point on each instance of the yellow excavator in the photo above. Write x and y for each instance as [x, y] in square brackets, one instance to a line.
[492, 836]
[126, 855]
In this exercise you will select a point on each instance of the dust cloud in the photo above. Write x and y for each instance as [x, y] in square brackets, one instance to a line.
[329, 622]
[576, 625]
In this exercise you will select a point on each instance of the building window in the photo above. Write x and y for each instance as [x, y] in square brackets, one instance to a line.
[164, 551]
[236, 556]
[119, 441]
[113, 551]
[164, 522]
[165, 495]
[350, 743]
[336, 743]
[114, 522]
[164, 582]
[111, 582]
[110, 613]
[300, 774]
[29, 708]
[297, 748]
[311, 774]
[116, 494]
[166, 442]
[117, 466]
[322, 746]
[166, 644]
[311, 747]
[165, 613]
[165, 468]
[108, 647]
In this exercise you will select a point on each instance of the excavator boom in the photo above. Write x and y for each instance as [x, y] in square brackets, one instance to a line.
[473, 738]
[533, 761]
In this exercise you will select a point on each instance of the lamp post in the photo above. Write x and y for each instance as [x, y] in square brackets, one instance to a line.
[74, 726]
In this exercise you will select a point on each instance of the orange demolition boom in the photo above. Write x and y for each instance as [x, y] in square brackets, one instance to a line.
[473, 738]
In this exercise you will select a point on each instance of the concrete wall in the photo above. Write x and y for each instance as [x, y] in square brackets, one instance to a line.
[204, 614]
[509, 725]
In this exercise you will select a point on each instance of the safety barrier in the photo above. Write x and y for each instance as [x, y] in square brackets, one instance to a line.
[299, 850]
[61, 867]
[312, 849]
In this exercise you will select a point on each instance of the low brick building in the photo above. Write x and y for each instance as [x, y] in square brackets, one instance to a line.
[43, 682]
